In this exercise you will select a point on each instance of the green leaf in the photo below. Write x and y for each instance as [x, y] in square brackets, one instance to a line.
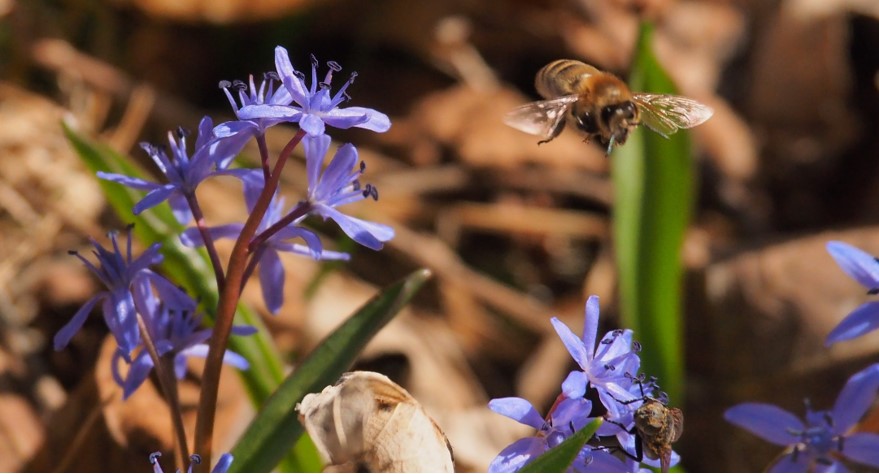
[653, 183]
[277, 425]
[559, 458]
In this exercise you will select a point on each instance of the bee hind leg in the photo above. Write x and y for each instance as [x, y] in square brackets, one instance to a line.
[555, 132]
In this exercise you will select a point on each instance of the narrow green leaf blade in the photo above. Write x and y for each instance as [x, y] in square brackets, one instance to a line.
[653, 182]
[276, 427]
[559, 458]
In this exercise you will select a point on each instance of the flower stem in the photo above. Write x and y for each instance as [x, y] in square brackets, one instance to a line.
[208, 240]
[251, 265]
[230, 293]
[264, 156]
[165, 374]
[301, 209]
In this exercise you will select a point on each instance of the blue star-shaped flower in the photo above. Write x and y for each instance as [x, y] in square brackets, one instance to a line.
[271, 271]
[608, 366]
[175, 329]
[566, 417]
[250, 95]
[864, 268]
[315, 107]
[128, 281]
[819, 442]
[213, 153]
[339, 185]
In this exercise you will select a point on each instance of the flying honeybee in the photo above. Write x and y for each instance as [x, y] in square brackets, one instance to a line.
[600, 105]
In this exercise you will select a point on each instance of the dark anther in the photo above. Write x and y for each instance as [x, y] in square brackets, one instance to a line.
[371, 191]
[828, 419]
[873, 291]
[154, 457]
[362, 166]
[606, 341]
[129, 227]
[271, 76]
[314, 62]
[195, 459]
[334, 66]
[609, 367]
[618, 332]
[72, 252]
[182, 132]
[239, 84]
[225, 84]
[299, 74]
[323, 85]
[636, 346]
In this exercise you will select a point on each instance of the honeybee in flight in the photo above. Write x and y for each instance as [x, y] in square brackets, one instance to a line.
[600, 105]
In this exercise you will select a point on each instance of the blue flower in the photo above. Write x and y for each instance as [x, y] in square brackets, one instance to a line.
[213, 153]
[314, 108]
[175, 329]
[607, 367]
[127, 280]
[222, 464]
[564, 420]
[271, 271]
[863, 268]
[339, 185]
[819, 442]
[250, 95]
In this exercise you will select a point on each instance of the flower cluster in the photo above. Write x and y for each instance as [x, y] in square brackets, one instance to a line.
[826, 437]
[603, 387]
[155, 324]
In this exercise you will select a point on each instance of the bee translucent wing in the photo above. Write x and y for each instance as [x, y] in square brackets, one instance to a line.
[540, 118]
[666, 114]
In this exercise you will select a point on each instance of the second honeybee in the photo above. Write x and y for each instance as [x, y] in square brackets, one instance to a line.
[599, 105]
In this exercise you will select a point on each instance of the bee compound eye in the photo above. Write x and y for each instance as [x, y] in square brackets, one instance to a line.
[586, 122]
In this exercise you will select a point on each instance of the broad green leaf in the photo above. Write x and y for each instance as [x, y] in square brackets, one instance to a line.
[277, 426]
[653, 183]
[559, 458]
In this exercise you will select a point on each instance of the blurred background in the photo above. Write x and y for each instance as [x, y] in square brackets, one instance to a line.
[514, 233]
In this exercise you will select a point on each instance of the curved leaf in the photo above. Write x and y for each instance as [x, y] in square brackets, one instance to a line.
[276, 427]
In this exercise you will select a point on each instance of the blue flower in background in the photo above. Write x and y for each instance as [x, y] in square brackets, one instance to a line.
[818, 444]
[127, 280]
[175, 329]
[607, 366]
[339, 185]
[213, 153]
[863, 268]
[315, 107]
